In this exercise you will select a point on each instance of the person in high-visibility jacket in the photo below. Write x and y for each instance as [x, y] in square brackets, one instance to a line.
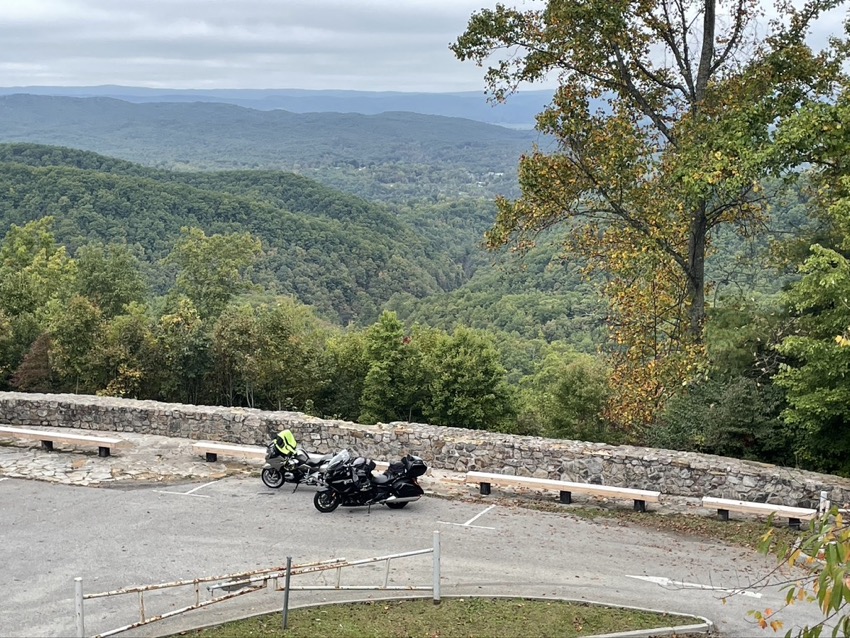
[285, 442]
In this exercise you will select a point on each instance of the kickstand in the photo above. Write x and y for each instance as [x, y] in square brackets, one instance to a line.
[296, 486]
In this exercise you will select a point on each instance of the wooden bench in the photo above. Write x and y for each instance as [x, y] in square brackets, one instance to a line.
[211, 450]
[48, 438]
[566, 488]
[725, 505]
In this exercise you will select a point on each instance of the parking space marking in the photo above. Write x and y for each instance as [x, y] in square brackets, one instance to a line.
[666, 582]
[190, 492]
[4, 479]
[472, 520]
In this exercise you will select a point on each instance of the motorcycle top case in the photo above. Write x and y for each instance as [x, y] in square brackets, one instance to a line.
[414, 466]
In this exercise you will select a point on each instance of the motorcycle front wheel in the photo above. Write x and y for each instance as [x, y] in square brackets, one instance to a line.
[272, 477]
[327, 501]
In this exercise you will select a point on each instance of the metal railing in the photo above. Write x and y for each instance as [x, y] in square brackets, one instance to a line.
[256, 580]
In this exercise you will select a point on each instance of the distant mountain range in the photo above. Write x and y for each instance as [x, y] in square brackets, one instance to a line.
[394, 155]
[517, 112]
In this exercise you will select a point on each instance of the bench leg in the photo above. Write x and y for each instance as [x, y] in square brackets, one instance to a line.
[47, 445]
[640, 506]
[484, 488]
[212, 457]
[794, 523]
[566, 497]
[723, 515]
[102, 451]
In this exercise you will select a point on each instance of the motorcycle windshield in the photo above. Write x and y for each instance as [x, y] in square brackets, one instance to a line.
[339, 459]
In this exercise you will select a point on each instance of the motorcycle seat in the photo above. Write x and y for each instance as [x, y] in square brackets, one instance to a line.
[317, 459]
[380, 479]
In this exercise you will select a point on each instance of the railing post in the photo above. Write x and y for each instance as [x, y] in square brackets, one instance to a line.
[823, 505]
[436, 567]
[286, 592]
[78, 596]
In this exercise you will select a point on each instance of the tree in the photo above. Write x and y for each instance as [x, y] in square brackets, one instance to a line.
[235, 352]
[213, 269]
[35, 374]
[183, 350]
[664, 121]
[292, 342]
[566, 395]
[128, 355]
[467, 386]
[345, 364]
[110, 276]
[393, 386]
[75, 331]
[817, 353]
[33, 269]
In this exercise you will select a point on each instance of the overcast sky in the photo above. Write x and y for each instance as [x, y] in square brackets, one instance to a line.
[371, 45]
[311, 44]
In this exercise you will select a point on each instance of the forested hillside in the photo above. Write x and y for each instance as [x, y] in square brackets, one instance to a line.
[394, 156]
[340, 254]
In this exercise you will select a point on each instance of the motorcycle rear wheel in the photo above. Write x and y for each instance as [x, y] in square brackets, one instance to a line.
[395, 506]
[272, 477]
[327, 501]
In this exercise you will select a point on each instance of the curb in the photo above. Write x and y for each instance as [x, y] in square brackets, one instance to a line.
[705, 627]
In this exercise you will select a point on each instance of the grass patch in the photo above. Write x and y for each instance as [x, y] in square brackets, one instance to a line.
[452, 618]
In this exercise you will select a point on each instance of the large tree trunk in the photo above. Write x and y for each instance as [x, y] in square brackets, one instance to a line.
[696, 274]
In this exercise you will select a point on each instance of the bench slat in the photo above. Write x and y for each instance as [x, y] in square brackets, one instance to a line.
[748, 507]
[48, 438]
[563, 486]
[58, 436]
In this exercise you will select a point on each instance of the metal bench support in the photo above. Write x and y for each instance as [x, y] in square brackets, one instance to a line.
[484, 488]
[102, 451]
[566, 497]
[794, 523]
[640, 506]
[723, 515]
[212, 457]
[47, 445]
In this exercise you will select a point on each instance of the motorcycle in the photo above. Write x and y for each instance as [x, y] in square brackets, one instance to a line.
[350, 483]
[299, 467]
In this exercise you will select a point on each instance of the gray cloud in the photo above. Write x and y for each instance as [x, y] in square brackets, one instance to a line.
[313, 44]
[354, 44]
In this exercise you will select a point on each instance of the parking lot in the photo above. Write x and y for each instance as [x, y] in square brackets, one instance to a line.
[144, 534]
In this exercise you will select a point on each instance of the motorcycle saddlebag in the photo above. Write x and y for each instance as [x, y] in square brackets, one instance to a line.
[406, 489]
[414, 466]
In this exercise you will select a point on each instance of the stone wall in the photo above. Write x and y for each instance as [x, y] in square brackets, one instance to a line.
[674, 473]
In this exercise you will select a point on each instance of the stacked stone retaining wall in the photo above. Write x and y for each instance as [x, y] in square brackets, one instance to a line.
[675, 473]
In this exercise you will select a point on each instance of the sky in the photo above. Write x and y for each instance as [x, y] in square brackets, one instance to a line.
[368, 45]
[371, 45]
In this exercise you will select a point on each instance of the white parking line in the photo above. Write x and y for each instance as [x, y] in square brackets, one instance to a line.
[200, 486]
[471, 520]
[190, 492]
[666, 582]
[4, 479]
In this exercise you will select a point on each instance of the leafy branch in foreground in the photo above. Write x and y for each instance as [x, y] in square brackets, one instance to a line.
[823, 553]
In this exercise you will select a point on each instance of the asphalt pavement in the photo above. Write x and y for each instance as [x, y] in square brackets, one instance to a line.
[139, 532]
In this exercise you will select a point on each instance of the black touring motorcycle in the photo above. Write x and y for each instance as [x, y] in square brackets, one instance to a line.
[350, 483]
